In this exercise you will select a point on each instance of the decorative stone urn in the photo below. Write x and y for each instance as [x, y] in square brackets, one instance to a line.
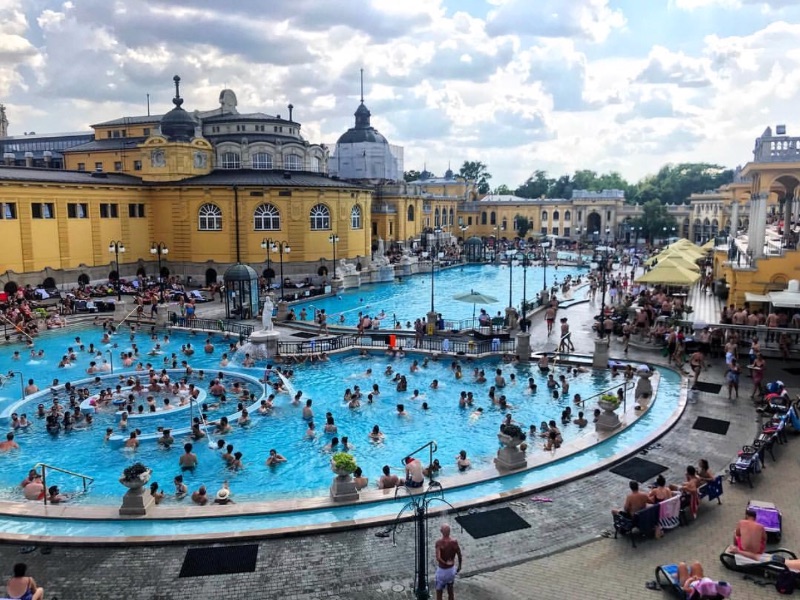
[137, 500]
[608, 419]
[509, 456]
[343, 488]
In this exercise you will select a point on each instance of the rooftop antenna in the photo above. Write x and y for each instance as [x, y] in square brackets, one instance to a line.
[148, 105]
[362, 86]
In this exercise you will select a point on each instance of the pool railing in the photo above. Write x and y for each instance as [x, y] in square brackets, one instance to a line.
[45, 466]
[441, 345]
[223, 325]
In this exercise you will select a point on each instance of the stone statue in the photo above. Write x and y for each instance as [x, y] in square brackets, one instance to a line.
[347, 268]
[266, 315]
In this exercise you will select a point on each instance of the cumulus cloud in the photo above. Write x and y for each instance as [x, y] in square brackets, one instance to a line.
[665, 66]
[588, 19]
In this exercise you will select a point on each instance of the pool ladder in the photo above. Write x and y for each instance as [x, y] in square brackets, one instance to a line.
[432, 447]
[84, 478]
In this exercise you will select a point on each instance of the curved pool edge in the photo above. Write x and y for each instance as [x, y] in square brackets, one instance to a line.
[6, 509]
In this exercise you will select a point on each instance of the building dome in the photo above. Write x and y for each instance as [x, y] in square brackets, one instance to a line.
[178, 125]
[474, 241]
[363, 131]
[240, 272]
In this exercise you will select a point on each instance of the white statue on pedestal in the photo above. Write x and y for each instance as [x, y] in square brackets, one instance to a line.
[347, 268]
[266, 315]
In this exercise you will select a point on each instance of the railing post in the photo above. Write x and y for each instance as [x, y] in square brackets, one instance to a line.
[44, 483]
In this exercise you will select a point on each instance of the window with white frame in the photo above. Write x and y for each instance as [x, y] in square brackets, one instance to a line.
[320, 217]
[262, 160]
[209, 218]
[230, 160]
[292, 162]
[267, 218]
[355, 217]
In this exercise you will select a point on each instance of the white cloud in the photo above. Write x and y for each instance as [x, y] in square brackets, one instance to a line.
[589, 19]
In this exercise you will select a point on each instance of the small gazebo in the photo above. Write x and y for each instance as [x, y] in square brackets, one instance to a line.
[241, 292]
[473, 250]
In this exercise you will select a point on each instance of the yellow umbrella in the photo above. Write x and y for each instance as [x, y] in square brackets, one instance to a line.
[709, 245]
[669, 275]
[676, 259]
[686, 253]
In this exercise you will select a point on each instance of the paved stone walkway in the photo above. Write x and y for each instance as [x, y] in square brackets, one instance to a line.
[561, 555]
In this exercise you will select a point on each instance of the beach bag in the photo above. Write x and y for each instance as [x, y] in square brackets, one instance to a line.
[785, 582]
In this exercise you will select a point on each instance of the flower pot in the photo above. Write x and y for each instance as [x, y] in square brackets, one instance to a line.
[607, 405]
[508, 441]
[341, 472]
[138, 482]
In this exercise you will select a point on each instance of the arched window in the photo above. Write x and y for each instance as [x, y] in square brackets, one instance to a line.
[492, 218]
[567, 215]
[292, 162]
[320, 217]
[436, 222]
[262, 160]
[483, 218]
[316, 164]
[267, 218]
[544, 215]
[411, 212]
[555, 215]
[355, 217]
[505, 223]
[209, 217]
[452, 216]
[230, 160]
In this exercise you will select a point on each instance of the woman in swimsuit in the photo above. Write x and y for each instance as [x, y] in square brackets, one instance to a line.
[20, 587]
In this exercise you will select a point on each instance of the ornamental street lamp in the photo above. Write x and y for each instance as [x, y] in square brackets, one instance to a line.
[116, 247]
[544, 246]
[266, 244]
[281, 248]
[510, 256]
[159, 248]
[525, 261]
[603, 266]
[334, 239]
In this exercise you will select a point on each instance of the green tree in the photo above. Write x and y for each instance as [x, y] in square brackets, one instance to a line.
[412, 175]
[536, 186]
[655, 217]
[524, 225]
[561, 188]
[475, 170]
[673, 184]
[503, 190]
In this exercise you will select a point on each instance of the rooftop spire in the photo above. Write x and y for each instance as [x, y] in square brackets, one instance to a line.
[177, 100]
[362, 86]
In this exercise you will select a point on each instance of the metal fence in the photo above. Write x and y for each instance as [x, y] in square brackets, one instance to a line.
[240, 329]
[442, 345]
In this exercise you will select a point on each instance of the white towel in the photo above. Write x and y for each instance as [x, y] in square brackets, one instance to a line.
[669, 512]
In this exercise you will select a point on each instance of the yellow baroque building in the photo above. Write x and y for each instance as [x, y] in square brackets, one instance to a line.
[210, 201]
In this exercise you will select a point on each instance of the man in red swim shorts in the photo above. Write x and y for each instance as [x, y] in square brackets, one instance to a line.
[751, 537]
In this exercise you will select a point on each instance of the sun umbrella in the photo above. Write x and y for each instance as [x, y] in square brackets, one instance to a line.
[689, 253]
[676, 259]
[709, 245]
[474, 298]
[669, 275]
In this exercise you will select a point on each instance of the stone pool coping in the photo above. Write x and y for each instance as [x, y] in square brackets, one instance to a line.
[105, 513]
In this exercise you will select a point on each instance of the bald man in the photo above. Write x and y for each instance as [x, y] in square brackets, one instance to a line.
[447, 549]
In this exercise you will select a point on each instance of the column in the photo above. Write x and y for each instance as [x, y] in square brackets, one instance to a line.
[758, 225]
[787, 216]
[734, 223]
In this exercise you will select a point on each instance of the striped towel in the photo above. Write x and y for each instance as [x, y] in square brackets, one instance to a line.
[669, 513]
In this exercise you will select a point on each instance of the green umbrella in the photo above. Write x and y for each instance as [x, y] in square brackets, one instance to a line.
[475, 298]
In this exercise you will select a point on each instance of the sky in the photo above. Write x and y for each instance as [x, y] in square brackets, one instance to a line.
[521, 85]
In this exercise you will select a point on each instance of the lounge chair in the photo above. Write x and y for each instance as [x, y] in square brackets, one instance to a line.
[667, 579]
[712, 489]
[770, 566]
[768, 515]
[643, 523]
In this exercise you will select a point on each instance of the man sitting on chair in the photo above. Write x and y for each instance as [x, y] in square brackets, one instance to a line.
[750, 536]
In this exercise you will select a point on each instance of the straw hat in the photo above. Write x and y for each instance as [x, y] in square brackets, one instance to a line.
[223, 494]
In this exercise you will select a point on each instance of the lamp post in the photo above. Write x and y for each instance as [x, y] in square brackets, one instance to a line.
[116, 247]
[280, 248]
[334, 239]
[603, 268]
[578, 232]
[544, 246]
[266, 244]
[510, 256]
[525, 264]
[159, 248]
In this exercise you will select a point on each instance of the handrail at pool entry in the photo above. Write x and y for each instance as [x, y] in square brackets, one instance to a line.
[128, 316]
[17, 328]
[627, 384]
[60, 470]
[432, 447]
[176, 320]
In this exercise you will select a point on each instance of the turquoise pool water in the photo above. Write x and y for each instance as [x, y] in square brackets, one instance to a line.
[410, 298]
[307, 471]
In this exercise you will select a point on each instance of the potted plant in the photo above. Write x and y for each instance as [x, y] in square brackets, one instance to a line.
[608, 402]
[511, 435]
[343, 464]
[135, 476]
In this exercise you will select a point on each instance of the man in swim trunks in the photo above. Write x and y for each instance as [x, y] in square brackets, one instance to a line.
[414, 476]
[750, 536]
[550, 317]
[447, 549]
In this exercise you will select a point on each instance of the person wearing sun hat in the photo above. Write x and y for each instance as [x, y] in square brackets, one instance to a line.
[223, 495]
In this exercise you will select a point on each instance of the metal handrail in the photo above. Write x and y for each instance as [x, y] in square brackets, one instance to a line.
[128, 316]
[432, 447]
[16, 327]
[628, 385]
[45, 466]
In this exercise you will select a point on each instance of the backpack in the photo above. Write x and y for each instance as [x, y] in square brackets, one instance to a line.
[785, 582]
